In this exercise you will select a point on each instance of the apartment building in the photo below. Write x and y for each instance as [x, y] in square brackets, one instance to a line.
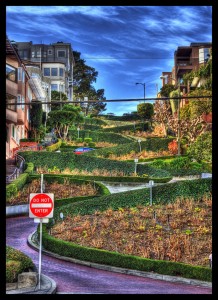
[56, 62]
[186, 59]
[189, 58]
[18, 91]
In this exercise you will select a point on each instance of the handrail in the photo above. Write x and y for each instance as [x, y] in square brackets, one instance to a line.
[18, 170]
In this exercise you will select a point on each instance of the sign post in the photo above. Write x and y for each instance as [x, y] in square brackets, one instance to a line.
[151, 183]
[41, 208]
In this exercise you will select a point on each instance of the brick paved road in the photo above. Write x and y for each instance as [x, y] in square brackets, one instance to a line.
[78, 279]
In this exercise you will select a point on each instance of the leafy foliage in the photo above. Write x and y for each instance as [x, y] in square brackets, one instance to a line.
[36, 118]
[16, 263]
[166, 89]
[201, 149]
[83, 78]
[63, 119]
[57, 96]
[162, 114]
[145, 110]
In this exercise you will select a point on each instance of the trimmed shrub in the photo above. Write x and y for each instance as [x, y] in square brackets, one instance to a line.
[16, 263]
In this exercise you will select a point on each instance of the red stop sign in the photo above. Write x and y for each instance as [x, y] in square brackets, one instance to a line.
[41, 205]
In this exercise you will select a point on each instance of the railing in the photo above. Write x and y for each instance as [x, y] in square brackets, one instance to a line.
[19, 160]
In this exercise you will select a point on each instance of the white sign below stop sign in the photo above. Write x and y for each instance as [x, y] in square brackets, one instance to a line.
[41, 205]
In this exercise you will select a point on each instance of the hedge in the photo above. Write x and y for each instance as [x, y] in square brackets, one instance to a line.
[161, 194]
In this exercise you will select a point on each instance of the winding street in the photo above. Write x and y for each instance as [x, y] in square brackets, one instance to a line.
[73, 278]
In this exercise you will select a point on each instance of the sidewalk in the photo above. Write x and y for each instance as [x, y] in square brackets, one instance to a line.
[47, 286]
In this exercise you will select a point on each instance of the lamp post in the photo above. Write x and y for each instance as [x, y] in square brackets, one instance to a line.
[178, 112]
[78, 129]
[151, 183]
[139, 141]
[135, 161]
[143, 86]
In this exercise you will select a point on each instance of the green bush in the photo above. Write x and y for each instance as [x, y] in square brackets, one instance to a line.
[11, 191]
[92, 144]
[87, 140]
[13, 269]
[85, 162]
[54, 147]
[201, 149]
[16, 263]
[98, 136]
[79, 140]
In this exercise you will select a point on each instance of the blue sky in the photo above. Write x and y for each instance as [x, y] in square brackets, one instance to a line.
[125, 44]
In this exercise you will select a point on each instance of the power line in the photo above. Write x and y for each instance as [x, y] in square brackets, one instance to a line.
[35, 101]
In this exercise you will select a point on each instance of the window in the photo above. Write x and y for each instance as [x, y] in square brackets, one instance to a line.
[11, 73]
[10, 105]
[61, 72]
[49, 52]
[61, 88]
[18, 100]
[19, 72]
[46, 71]
[54, 87]
[61, 53]
[33, 54]
[23, 76]
[25, 54]
[54, 72]
[22, 101]
[204, 54]
[29, 93]
[38, 54]
[28, 114]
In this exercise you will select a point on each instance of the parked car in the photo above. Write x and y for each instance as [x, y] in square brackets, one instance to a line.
[82, 150]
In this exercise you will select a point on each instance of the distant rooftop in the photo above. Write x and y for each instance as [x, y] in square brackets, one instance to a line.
[201, 44]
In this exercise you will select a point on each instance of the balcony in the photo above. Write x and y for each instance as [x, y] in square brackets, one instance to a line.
[11, 116]
[11, 88]
[20, 117]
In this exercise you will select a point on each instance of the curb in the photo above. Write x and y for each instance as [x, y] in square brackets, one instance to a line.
[152, 275]
[47, 286]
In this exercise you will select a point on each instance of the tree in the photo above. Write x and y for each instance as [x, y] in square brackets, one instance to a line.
[36, 119]
[174, 103]
[162, 113]
[145, 110]
[190, 129]
[166, 89]
[57, 96]
[201, 149]
[199, 106]
[83, 78]
[61, 120]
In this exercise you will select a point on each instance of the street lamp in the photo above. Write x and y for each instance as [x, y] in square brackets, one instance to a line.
[178, 112]
[143, 86]
[135, 161]
[78, 129]
[151, 183]
[139, 141]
